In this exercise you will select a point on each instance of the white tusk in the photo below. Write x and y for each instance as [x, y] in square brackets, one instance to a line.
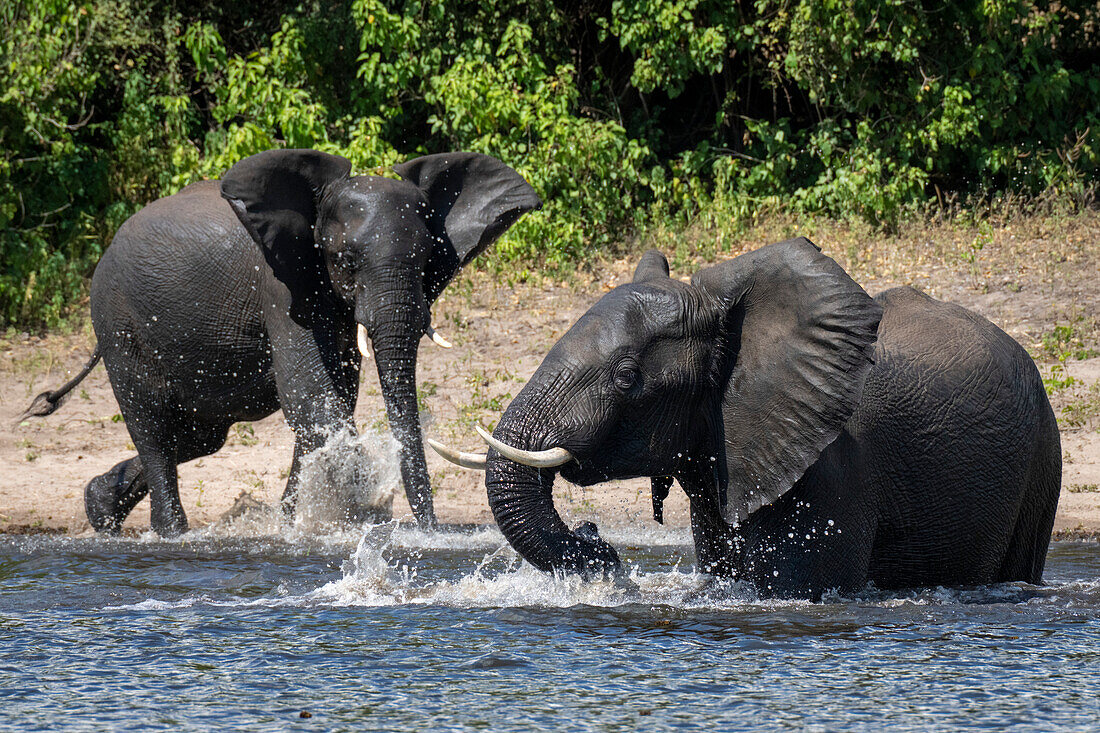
[439, 340]
[476, 461]
[538, 458]
[361, 339]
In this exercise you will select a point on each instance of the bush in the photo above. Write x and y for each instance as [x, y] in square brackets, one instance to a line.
[624, 115]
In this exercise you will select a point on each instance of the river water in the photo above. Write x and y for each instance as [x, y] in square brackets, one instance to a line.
[395, 628]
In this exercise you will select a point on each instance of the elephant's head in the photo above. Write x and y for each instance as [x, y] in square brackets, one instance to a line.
[733, 385]
[371, 254]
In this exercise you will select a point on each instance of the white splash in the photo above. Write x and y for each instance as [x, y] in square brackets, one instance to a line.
[350, 479]
[500, 580]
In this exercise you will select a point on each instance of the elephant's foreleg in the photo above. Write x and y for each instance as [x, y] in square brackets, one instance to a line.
[166, 515]
[110, 497]
[290, 493]
[717, 547]
[316, 375]
[808, 543]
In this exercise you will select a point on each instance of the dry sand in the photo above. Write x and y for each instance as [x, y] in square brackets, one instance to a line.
[500, 334]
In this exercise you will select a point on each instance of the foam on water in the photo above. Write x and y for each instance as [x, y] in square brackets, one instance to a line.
[387, 569]
[372, 580]
[381, 572]
[502, 579]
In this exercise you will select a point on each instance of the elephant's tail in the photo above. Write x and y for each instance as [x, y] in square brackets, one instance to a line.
[48, 402]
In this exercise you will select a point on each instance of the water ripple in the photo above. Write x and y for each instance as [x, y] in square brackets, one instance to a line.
[394, 628]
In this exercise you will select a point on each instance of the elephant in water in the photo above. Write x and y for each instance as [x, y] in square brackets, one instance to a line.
[228, 301]
[824, 438]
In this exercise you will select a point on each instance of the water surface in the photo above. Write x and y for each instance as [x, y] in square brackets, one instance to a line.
[400, 629]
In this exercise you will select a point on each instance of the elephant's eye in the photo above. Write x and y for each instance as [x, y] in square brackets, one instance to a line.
[344, 258]
[626, 376]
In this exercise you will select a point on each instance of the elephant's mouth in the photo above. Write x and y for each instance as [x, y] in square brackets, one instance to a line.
[575, 466]
[549, 458]
[362, 339]
[578, 469]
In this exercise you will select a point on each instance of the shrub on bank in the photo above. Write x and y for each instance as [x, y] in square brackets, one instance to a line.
[624, 115]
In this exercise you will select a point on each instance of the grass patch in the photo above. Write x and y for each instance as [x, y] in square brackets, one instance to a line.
[482, 398]
[1070, 341]
[244, 434]
[1083, 411]
[1057, 379]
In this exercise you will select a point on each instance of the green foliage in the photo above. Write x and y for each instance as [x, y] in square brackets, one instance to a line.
[1058, 379]
[1083, 411]
[42, 99]
[587, 171]
[624, 116]
[669, 43]
[984, 94]
[1066, 342]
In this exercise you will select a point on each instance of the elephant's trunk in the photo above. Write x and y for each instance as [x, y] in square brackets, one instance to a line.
[522, 503]
[396, 324]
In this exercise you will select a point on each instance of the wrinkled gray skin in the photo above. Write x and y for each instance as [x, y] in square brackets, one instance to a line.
[230, 300]
[824, 438]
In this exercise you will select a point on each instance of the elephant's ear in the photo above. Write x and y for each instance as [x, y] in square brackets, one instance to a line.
[798, 334]
[276, 195]
[651, 267]
[474, 198]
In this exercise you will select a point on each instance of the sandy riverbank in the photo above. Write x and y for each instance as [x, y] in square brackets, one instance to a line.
[500, 335]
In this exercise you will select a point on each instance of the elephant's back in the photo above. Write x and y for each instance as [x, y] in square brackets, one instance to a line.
[180, 256]
[941, 352]
[954, 415]
[196, 222]
[941, 366]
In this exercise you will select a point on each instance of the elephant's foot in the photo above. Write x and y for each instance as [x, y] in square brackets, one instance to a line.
[168, 520]
[109, 498]
[336, 483]
[333, 505]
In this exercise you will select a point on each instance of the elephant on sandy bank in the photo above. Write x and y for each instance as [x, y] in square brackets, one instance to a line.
[825, 439]
[230, 300]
